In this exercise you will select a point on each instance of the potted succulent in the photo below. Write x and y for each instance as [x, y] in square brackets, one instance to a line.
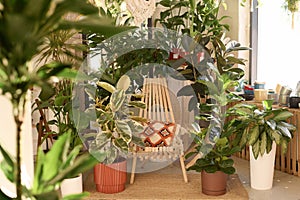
[262, 130]
[117, 131]
[213, 146]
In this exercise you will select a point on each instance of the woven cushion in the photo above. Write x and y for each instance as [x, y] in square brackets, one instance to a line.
[157, 133]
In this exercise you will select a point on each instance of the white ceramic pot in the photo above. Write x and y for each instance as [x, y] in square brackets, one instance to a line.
[262, 169]
[71, 186]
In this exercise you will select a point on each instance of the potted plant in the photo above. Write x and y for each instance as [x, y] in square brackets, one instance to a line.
[213, 146]
[201, 20]
[262, 130]
[117, 131]
[23, 34]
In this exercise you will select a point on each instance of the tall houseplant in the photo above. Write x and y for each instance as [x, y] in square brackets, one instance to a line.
[200, 20]
[118, 129]
[23, 28]
[213, 145]
[262, 130]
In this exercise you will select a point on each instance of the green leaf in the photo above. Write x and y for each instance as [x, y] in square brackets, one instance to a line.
[121, 144]
[271, 124]
[235, 60]
[284, 145]
[226, 163]
[263, 143]
[123, 83]
[253, 135]
[290, 127]
[228, 170]
[4, 196]
[117, 99]
[269, 144]
[124, 129]
[76, 196]
[234, 150]
[284, 131]
[38, 174]
[193, 104]
[137, 104]
[244, 138]
[49, 195]
[7, 165]
[110, 88]
[186, 91]
[71, 156]
[211, 169]
[83, 163]
[267, 104]
[55, 157]
[282, 116]
[138, 141]
[276, 136]
[256, 149]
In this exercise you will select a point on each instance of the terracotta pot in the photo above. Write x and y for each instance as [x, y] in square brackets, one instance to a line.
[110, 178]
[214, 184]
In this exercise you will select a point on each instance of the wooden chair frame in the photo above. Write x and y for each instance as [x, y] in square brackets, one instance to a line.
[159, 108]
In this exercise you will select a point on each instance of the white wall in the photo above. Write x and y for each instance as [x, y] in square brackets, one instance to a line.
[7, 140]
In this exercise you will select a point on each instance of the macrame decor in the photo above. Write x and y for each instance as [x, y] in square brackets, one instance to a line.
[141, 10]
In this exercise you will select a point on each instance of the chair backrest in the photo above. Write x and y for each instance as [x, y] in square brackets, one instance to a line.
[157, 99]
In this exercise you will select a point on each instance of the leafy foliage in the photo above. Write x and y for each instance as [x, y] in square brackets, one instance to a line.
[200, 20]
[24, 27]
[213, 143]
[260, 127]
[51, 169]
[118, 128]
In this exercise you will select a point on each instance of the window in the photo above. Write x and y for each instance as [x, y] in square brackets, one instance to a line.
[278, 46]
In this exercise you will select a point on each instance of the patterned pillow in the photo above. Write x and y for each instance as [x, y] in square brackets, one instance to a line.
[158, 134]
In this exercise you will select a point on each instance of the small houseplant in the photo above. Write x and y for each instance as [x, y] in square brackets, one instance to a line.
[213, 146]
[262, 130]
[117, 131]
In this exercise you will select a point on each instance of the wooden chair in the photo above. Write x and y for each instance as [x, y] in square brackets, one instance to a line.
[159, 110]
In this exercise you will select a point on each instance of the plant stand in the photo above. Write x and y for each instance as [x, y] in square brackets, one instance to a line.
[214, 184]
[262, 169]
[71, 186]
[110, 178]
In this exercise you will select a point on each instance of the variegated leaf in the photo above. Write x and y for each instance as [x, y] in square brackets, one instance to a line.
[253, 135]
[256, 149]
[123, 83]
[106, 86]
[263, 143]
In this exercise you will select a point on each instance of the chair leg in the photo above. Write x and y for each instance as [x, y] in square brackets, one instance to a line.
[183, 169]
[133, 169]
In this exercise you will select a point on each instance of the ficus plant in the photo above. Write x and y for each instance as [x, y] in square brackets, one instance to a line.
[118, 126]
[261, 127]
[24, 27]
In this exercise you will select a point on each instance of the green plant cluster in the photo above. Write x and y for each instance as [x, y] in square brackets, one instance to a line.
[25, 26]
[118, 126]
[201, 21]
[260, 127]
[213, 143]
